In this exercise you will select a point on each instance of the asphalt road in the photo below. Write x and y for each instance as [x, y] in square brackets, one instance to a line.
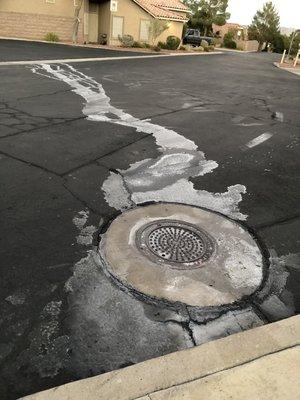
[15, 50]
[61, 318]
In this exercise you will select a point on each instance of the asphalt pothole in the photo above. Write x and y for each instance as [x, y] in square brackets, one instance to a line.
[182, 254]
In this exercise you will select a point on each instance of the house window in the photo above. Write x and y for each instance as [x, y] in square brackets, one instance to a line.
[93, 8]
[144, 29]
[117, 29]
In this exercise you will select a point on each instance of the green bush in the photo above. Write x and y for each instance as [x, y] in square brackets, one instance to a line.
[137, 45]
[146, 45]
[211, 47]
[156, 48]
[182, 48]
[172, 42]
[51, 37]
[230, 44]
[126, 40]
[162, 45]
[228, 41]
[199, 48]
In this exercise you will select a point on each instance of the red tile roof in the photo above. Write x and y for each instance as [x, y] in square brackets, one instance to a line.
[173, 10]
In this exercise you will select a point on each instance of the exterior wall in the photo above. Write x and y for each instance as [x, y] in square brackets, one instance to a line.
[133, 14]
[175, 29]
[227, 27]
[247, 45]
[33, 19]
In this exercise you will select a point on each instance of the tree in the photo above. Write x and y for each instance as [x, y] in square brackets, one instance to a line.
[76, 20]
[207, 12]
[156, 28]
[294, 42]
[265, 25]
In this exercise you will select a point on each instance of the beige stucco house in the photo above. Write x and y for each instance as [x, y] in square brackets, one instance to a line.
[240, 35]
[33, 19]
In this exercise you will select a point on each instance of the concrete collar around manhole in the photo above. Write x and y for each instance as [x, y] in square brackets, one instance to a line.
[179, 253]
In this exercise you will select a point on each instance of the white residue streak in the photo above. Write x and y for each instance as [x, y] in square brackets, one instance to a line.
[165, 178]
[259, 139]
[86, 233]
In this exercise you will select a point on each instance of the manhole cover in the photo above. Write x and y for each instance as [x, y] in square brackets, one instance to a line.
[181, 244]
[182, 254]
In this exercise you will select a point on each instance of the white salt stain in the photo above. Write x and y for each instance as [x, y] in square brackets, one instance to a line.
[259, 139]
[165, 178]
[16, 299]
[250, 124]
[81, 219]
[85, 236]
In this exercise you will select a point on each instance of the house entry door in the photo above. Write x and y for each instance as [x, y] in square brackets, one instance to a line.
[93, 22]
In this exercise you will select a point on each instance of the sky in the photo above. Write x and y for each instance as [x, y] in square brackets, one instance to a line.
[242, 11]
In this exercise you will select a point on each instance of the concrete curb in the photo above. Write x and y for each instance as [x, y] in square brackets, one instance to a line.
[293, 70]
[158, 378]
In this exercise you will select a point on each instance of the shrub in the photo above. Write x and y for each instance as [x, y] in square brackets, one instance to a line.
[51, 37]
[211, 47]
[137, 45]
[199, 48]
[146, 45]
[230, 44]
[188, 47]
[182, 48]
[172, 42]
[126, 40]
[228, 41]
[162, 45]
[156, 48]
[204, 43]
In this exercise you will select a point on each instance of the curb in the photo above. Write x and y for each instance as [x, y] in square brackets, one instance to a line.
[184, 369]
[292, 70]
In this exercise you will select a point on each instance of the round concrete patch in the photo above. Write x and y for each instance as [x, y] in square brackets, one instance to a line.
[179, 253]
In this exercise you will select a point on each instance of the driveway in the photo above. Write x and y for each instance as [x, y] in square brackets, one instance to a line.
[80, 145]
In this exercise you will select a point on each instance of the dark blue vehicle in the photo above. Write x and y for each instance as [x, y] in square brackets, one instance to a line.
[194, 38]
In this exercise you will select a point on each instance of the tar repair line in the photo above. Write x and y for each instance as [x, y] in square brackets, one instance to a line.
[163, 179]
[80, 60]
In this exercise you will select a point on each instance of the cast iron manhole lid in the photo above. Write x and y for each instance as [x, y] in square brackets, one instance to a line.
[179, 243]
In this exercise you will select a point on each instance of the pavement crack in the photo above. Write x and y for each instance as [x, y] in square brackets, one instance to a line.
[184, 325]
[278, 222]
[37, 127]
[44, 94]
[96, 160]
[83, 202]
[30, 163]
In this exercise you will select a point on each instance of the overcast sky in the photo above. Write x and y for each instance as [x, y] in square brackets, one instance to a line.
[242, 11]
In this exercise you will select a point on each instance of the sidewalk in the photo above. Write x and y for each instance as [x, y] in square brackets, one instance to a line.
[262, 363]
[293, 70]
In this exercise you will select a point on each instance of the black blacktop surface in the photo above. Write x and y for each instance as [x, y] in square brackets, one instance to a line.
[15, 50]
[54, 161]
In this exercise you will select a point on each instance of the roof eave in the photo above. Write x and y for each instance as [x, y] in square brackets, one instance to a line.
[164, 18]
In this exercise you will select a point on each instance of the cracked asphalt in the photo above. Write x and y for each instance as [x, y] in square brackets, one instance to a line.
[53, 164]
